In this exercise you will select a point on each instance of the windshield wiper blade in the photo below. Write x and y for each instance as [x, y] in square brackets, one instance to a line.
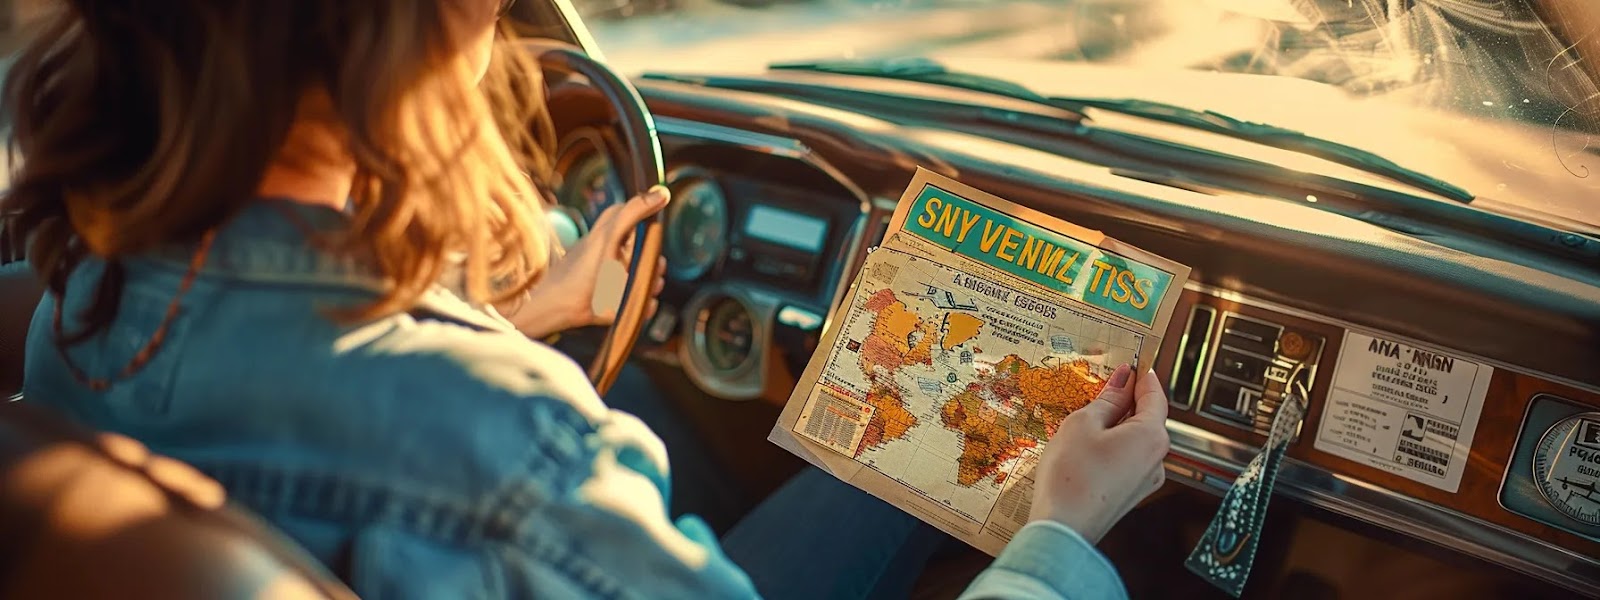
[923, 70]
[926, 70]
[1274, 136]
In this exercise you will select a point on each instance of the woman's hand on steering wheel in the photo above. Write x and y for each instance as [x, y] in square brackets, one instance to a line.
[564, 297]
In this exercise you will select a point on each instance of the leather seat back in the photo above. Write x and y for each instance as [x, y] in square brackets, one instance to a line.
[89, 517]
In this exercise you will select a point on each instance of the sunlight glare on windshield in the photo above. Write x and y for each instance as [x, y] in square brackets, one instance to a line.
[1489, 92]
[1489, 58]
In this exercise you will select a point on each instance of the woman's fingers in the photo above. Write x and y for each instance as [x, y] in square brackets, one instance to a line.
[614, 229]
[655, 289]
[620, 222]
[625, 250]
[1150, 400]
[1114, 400]
[1145, 430]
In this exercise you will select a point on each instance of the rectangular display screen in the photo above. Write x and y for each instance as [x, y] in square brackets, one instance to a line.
[785, 228]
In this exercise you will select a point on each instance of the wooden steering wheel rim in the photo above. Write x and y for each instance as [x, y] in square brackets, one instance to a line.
[644, 169]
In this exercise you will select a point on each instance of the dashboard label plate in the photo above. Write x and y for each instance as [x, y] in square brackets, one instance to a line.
[1404, 409]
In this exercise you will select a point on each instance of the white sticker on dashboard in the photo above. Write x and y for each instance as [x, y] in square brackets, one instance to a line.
[1407, 410]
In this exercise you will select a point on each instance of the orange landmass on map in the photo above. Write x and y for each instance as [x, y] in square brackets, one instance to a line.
[922, 351]
[898, 338]
[959, 328]
[890, 340]
[1014, 408]
[890, 419]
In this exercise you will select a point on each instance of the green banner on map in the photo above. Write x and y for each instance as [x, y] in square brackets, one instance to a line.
[1072, 267]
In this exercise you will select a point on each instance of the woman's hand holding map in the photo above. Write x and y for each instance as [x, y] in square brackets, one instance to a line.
[970, 376]
[1105, 458]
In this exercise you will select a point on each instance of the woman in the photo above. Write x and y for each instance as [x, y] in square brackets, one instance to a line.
[273, 231]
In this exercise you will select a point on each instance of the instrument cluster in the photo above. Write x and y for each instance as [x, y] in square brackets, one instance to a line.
[696, 223]
[754, 255]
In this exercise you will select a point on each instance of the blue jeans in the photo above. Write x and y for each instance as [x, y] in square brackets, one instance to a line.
[816, 537]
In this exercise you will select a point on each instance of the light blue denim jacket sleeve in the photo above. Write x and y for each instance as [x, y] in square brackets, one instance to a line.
[1047, 561]
[432, 454]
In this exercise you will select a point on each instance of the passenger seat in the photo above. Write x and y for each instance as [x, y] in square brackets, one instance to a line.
[91, 517]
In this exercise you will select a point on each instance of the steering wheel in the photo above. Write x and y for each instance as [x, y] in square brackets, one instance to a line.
[640, 169]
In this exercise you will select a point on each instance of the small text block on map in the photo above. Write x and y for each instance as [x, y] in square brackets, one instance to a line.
[834, 420]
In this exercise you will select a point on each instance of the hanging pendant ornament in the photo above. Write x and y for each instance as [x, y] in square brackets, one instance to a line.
[1228, 547]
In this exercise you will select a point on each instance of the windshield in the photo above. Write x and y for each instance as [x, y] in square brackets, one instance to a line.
[1486, 94]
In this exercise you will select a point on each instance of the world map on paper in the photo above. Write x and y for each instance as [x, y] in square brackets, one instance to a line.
[957, 377]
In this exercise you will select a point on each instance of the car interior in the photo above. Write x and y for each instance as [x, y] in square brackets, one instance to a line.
[1305, 253]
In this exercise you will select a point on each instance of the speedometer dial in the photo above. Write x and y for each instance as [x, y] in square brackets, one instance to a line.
[697, 229]
[729, 335]
[590, 186]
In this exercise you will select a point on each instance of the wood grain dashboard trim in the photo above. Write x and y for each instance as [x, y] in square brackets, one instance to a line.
[1511, 389]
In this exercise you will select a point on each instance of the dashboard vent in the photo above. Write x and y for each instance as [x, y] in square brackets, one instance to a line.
[1250, 368]
[1192, 351]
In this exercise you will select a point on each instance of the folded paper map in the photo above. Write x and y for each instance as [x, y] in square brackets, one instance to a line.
[965, 339]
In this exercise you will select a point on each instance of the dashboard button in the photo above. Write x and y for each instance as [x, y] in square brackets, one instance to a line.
[1231, 402]
[1278, 373]
[768, 266]
[1294, 346]
[799, 318]
[664, 325]
[1243, 367]
[1251, 336]
[1245, 402]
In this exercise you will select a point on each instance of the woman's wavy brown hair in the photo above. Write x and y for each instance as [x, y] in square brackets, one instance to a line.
[143, 124]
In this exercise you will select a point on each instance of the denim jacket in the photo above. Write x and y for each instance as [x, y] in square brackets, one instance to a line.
[432, 454]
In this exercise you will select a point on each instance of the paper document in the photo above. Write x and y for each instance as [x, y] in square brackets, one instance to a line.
[965, 339]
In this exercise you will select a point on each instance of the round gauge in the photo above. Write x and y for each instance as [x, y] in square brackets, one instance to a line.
[1566, 467]
[727, 334]
[590, 186]
[697, 229]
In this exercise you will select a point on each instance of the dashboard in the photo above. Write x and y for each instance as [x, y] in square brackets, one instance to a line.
[752, 239]
[1463, 451]
[1452, 398]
